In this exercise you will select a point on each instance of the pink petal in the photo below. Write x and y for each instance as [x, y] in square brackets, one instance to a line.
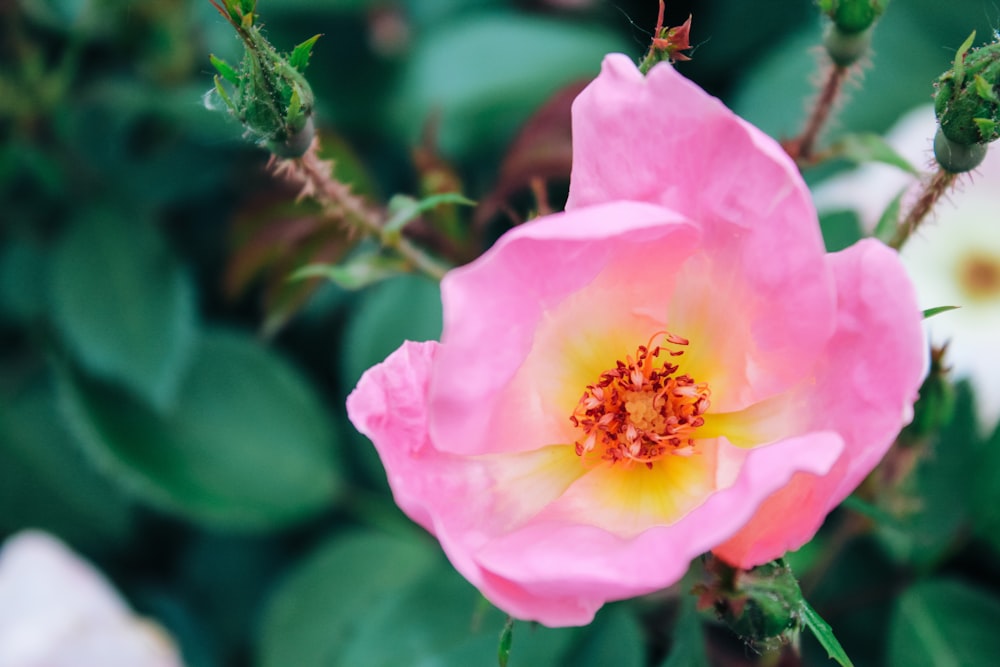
[663, 140]
[560, 572]
[494, 307]
[864, 387]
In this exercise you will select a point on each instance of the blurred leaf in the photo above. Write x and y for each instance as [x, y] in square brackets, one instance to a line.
[942, 623]
[932, 503]
[907, 58]
[437, 621]
[841, 229]
[486, 73]
[404, 209]
[855, 594]
[543, 149]
[614, 638]
[153, 142]
[888, 222]
[123, 303]
[402, 308]
[869, 147]
[46, 482]
[688, 646]
[247, 446]
[225, 579]
[325, 603]
[360, 270]
[986, 488]
[23, 281]
[506, 639]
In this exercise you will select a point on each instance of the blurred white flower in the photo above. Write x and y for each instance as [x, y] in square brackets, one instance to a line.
[954, 258]
[56, 610]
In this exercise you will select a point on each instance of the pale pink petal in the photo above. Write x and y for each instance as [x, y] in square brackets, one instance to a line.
[58, 611]
[863, 386]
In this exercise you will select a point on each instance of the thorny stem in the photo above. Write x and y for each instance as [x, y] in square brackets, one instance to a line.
[801, 148]
[935, 188]
[313, 174]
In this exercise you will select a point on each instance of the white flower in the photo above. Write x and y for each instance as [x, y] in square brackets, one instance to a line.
[58, 611]
[953, 259]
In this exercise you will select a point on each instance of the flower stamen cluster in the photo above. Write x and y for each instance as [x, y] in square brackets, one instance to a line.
[638, 412]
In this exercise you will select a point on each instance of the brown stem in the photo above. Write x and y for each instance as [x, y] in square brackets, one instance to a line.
[935, 188]
[801, 148]
[314, 175]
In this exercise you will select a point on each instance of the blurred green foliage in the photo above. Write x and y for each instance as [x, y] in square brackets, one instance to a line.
[211, 472]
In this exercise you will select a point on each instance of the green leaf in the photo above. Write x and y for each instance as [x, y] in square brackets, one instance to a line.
[931, 312]
[405, 209]
[123, 303]
[46, 481]
[247, 445]
[225, 70]
[688, 646]
[23, 276]
[360, 270]
[326, 602]
[944, 623]
[841, 229]
[506, 639]
[614, 638]
[824, 634]
[439, 621]
[299, 57]
[985, 508]
[481, 76]
[888, 223]
[869, 147]
[959, 67]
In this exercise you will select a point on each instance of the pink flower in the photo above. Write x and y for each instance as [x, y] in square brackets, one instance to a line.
[58, 611]
[670, 367]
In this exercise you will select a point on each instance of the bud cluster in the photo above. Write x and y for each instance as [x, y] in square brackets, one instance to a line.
[271, 97]
[967, 105]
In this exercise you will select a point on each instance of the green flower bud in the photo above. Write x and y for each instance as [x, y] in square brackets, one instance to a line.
[270, 96]
[762, 605]
[844, 48]
[967, 101]
[955, 157]
[853, 16]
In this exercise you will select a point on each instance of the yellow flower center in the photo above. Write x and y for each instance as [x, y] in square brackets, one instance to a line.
[979, 276]
[641, 410]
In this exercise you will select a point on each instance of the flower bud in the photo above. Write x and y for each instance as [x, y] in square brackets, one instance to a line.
[853, 16]
[271, 97]
[967, 101]
[848, 37]
[762, 605]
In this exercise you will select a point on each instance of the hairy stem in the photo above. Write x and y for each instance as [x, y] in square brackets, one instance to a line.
[314, 175]
[801, 148]
[933, 190]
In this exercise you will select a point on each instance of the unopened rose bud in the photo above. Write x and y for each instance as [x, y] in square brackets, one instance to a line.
[848, 36]
[271, 97]
[762, 605]
[853, 16]
[967, 102]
